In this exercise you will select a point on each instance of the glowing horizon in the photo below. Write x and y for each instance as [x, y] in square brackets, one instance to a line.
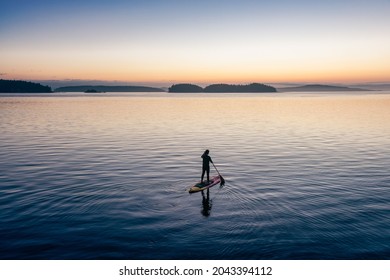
[199, 42]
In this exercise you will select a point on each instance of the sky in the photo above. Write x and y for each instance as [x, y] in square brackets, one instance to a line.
[172, 41]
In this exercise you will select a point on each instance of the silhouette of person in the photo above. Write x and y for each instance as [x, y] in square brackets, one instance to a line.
[206, 203]
[206, 165]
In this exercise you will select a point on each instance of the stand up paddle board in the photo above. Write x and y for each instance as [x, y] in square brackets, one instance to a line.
[204, 186]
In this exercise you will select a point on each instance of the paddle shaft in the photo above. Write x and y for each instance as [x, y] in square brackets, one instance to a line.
[216, 168]
[220, 176]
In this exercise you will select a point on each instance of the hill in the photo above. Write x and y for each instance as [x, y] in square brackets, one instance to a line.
[319, 88]
[108, 89]
[11, 86]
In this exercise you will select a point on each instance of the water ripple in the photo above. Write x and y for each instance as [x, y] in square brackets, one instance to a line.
[108, 177]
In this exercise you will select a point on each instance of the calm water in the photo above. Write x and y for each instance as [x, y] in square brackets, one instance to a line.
[106, 177]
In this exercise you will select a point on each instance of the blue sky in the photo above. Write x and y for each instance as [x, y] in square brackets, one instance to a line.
[196, 40]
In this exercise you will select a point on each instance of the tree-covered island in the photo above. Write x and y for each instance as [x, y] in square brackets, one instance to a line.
[220, 88]
[11, 86]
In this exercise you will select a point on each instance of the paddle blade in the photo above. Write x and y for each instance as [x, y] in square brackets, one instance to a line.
[222, 181]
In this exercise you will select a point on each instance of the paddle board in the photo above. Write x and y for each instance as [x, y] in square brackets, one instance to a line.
[204, 186]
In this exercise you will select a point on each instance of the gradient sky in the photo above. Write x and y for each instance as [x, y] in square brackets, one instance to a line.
[196, 41]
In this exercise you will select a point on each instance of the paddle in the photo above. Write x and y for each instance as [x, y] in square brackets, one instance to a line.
[220, 176]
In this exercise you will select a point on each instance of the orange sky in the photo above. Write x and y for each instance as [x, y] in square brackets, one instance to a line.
[180, 42]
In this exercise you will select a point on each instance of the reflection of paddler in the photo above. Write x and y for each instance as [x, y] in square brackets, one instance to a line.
[206, 203]
[206, 165]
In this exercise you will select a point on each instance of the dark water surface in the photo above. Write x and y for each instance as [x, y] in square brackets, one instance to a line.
[106, 177]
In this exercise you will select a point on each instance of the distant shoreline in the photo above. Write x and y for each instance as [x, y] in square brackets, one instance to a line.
[15, 86]
[319, 88]
[102, 88]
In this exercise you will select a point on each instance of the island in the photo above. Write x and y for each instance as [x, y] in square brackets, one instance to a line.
[92, 91]
[185, 88]
[101, 88]
[14, 86]
[222, 88]
[254, 87]
[319, 88]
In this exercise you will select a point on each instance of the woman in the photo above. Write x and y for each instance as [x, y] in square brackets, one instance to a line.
[206, 165]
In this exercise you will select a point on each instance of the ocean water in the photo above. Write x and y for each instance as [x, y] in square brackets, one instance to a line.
[105, 176]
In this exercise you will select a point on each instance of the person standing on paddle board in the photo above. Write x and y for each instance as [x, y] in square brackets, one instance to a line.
[206, 165]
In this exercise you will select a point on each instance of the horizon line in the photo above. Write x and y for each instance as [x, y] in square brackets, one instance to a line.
[165, 83]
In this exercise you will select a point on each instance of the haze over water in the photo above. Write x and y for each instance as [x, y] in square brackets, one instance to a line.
[105, 176]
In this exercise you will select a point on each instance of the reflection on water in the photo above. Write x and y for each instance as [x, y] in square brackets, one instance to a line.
[106, 177]
[206, 203]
